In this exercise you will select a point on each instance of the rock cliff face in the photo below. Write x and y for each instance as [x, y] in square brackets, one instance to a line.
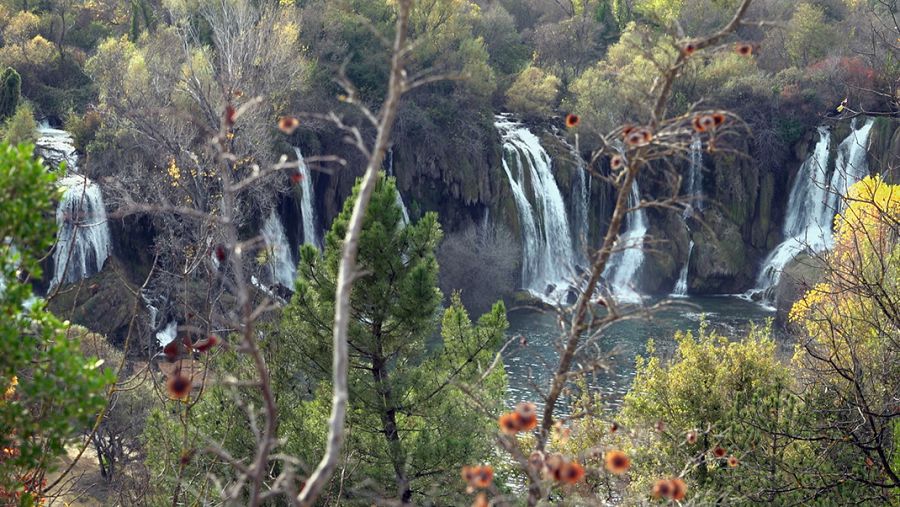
[463, 180]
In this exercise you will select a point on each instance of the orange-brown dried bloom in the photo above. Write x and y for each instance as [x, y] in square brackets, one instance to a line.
[733, 461]
[178, 386]
[638, 137]
[617, 162]
[662, 489]
[718, 119]
[509, 423]
[526, 422]
[536, 460]
[526, 409]
[679, 489]
[614, 427]
[689, 49]
[718, 451]
[571, 473]
[484, 476]
[691, 437]
[697, 124]
[572, 120]
[288, 124]
[617, 462]
[554, 465]
[743, 49]
[172, 350]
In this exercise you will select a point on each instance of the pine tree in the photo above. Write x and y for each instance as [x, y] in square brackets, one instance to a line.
[10, 92]
[411, 427]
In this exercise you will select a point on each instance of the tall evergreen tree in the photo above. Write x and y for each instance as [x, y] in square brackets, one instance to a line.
[10, 91]
[410, 425]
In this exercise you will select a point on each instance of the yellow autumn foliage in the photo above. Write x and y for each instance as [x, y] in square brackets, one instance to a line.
[849, 318]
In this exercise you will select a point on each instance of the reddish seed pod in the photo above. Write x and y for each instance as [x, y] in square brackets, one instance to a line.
[178, 386]
[230, 115]
[288, 124]
[572, 120]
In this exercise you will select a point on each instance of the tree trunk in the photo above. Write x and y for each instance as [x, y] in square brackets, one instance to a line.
[389, 419]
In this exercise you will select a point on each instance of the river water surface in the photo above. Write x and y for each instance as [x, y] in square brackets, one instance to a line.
[533, 363]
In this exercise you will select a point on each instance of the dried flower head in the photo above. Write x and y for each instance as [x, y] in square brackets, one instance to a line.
[662, 489]
[743, 49]
[689, 49]
[614, 427]
[554, 465]
[733, 461]
[719, 452]
[221, 253]
[572, 120]
[172, 351]
[288, 124]
[660, 426]
[691, 437]
[230, 115]
[638, 137]
[718, 119]
[484, 476]
[617, 462]
[617, 162]
[178, 386]
[571, 473]
[509, 423]
[679, 489]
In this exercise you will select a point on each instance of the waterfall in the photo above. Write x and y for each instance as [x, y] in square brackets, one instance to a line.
[56, 146]
[695, 192]
[281, 265]
[623, 265]
[695, 177]
[168, 334]
[307, 204]
[83, 240]
[814, 200]
[582, 194]
[399, 198]
[681, 286]
[548, 258]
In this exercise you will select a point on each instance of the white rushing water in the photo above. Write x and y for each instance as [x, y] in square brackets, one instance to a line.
[279, 261]
[167, 334]
[548, 258]
[399, 198]
[56, 146]
[582, 206]
[83, 240]
[307, 204]
[814, 200]
[624, 264]
[695, 177]
[694, 191]
[681, 285]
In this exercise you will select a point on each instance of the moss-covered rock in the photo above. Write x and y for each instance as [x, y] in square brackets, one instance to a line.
[108, 304]
[798, 277]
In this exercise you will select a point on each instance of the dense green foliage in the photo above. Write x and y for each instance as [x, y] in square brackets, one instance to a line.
[10, 92]
[412, 427]
[51, 390]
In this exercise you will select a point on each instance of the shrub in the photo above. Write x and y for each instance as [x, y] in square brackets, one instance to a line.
[10, 91]
[533, 94]
[21, 127]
